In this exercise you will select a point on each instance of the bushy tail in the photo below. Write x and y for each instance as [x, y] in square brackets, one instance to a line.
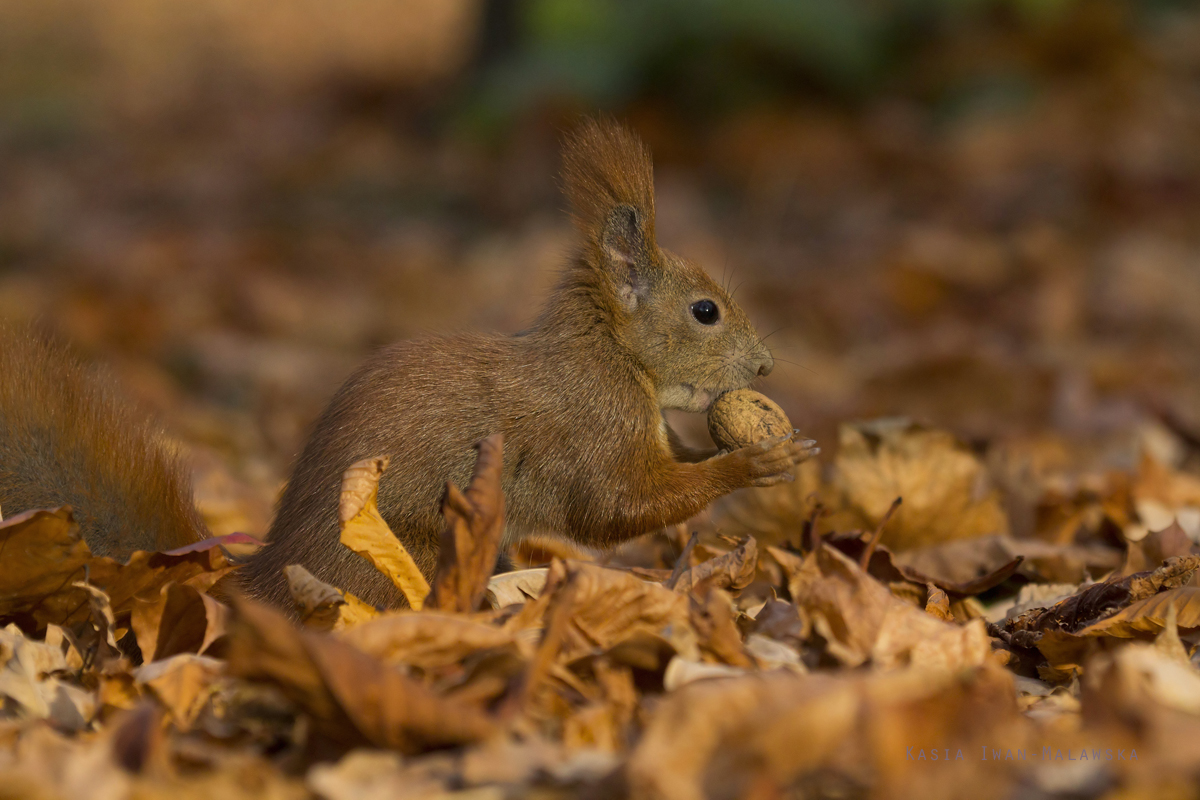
[68, 438]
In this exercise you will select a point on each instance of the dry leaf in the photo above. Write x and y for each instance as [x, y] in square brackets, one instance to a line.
[352, 696]
[366, 532]
[372, 775]
[862, 620]
[1140, 675]
[970, 565]
[28, 680]
[681, 671]
[945, 488]
[733, 570]
[721, 738]
[712, 619]
[511, 588]
[938, 604]
[182, 683]
[611, 606]
[474, 525]
[180, 620]
[43, 553]
[1150, 616]
[324, 607]
[45, 558]
[425, 639]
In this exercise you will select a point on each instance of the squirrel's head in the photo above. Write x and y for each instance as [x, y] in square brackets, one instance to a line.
[691, 338]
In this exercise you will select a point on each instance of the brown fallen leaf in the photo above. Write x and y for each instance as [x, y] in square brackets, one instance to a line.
[511, 588]
[373, 774]
[733, 570]
[889, 567]
[366, 532]
[43, 553]
[1155, 548]
[1066, 650]
[471, 539]
[723, 737]
[972, 563]
[182, 683]
[712, 618]
[180, 620]
[1136, 680]
[944, 487]
[44, 557]
[1101, 600]
[1163, 495]
[98, 639]
[351, 696]
[860, 619]
[938, 604]
[610, 606]
[776, 515]
[324, 607]
[31, 685]
[426, 639]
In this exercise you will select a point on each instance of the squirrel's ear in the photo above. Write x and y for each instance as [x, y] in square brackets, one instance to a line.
[623, 243]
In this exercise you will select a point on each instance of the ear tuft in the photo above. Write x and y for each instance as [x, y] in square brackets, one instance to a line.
[607, 167]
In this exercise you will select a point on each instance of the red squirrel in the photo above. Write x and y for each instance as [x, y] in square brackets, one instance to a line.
[630, 330]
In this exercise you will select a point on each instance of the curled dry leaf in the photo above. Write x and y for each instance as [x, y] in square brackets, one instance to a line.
[99, 640]
[681, 671]
[182, 683]
[471, 539]
[1066, 650]
[1100, 601]
[611, 606]
[351, 696]
[44, 557]
[938, 604]
[43, 553]
[945, 488]
[712, 619]
[1139, 678]
[1155, 548]
[30, 683]
[978, 575]
[366, 532]
[425, 639]
[973, 565]
[511, 588]
[862, 620]
[733, 570]
[725, 738]
[180, 620]
[324, 607]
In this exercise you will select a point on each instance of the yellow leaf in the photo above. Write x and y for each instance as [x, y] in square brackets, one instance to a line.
[365, 532]
[946, 491]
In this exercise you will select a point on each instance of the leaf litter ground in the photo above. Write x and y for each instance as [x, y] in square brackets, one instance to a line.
[814, 639]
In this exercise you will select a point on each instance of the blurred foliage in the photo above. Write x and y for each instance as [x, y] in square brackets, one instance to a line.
[714, 56]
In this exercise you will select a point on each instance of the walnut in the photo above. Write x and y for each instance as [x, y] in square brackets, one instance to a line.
[744, 417]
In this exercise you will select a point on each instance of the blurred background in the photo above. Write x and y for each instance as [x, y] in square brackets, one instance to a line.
[981, 214]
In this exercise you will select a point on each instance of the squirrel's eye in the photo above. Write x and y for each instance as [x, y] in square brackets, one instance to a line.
[705, 312]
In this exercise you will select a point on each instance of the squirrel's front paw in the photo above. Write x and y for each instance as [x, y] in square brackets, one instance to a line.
[770, 461]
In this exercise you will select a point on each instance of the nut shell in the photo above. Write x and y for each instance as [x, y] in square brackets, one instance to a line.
[745, 417]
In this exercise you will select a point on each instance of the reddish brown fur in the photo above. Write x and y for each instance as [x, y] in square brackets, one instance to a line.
[604, 166]
[578, 397]
[67, 438]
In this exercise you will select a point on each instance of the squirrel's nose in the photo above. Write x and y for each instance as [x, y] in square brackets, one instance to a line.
[768, 364]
